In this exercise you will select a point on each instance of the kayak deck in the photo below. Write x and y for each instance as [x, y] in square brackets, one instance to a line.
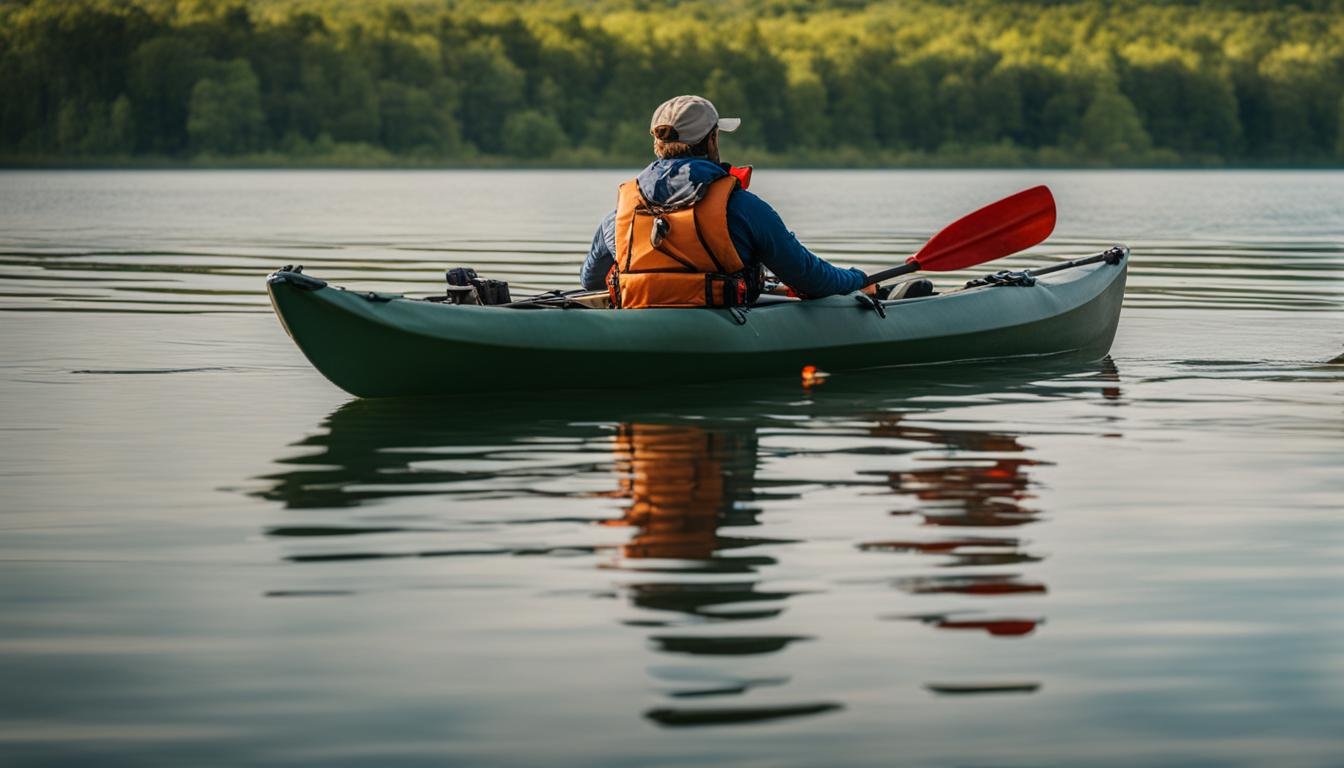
[375, 345]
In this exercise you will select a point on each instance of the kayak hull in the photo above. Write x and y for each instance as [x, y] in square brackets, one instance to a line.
[379, 346]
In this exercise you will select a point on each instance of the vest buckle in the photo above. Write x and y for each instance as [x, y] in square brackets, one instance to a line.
[659, 231]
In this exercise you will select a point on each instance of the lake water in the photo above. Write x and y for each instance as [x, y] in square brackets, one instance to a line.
[209, 555]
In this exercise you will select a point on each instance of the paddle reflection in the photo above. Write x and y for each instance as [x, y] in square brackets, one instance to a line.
[986, 493]
[990, 492]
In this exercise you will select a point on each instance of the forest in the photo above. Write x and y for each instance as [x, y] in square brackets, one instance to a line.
[567, 83]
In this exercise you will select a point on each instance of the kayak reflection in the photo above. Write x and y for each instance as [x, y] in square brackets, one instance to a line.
[683, 471]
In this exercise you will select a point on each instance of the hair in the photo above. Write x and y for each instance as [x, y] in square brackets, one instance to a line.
[666, 147]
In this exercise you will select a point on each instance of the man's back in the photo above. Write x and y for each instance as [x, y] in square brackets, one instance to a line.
[757, 232]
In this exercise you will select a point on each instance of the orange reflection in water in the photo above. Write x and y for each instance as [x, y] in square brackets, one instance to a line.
[674, 477]
[681, 482]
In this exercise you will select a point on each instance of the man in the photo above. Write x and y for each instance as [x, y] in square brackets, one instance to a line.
[687, 233]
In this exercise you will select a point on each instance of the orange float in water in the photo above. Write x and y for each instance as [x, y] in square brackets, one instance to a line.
[812, 376]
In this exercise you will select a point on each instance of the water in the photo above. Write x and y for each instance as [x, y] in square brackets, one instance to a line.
[210, 555]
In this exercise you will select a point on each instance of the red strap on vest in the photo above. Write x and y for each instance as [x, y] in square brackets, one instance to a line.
[743, 174]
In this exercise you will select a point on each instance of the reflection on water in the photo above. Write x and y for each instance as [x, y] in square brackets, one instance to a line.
[685, 483]
[681, 483]
[1040, 567]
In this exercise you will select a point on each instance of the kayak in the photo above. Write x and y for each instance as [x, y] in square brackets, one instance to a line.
[386, 345]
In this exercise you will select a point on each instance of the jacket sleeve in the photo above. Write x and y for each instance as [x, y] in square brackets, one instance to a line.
[601, 255]
[753, 223]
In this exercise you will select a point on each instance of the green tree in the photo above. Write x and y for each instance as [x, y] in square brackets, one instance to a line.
[806, 103]
[121, 126]
[353, 107]
[413, 119]
[1301, 90]
[1183, 107]
[70, 127]
[225, 115]
[1339, 138]
[533, 134]
[1111, 128]
[161, 76]
[96, 129]
[492, 87]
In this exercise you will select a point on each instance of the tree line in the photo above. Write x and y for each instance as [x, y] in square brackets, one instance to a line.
[842, 82]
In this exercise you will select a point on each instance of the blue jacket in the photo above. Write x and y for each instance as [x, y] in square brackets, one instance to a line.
[758, 234]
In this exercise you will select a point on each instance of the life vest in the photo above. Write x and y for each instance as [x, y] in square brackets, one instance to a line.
[680, 257]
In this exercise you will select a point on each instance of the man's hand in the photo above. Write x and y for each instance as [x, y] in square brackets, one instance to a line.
[871, 290]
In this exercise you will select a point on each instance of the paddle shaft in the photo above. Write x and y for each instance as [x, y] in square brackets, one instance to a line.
[887, 274]
[1112, 255]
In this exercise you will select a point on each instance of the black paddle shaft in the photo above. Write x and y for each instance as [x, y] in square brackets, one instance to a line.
[887, 274]
[1111, 255]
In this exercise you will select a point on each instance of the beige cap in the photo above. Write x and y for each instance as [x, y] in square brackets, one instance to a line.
[691, 118]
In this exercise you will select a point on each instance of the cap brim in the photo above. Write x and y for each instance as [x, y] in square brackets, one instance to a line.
[729, 124]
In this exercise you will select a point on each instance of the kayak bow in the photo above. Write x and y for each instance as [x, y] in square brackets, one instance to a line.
[381, 345]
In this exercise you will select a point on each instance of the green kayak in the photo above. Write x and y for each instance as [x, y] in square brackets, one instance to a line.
[381, 345]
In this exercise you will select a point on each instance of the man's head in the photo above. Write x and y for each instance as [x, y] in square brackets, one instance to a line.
[688, 126]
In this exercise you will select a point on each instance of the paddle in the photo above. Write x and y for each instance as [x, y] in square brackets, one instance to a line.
[1000, 229]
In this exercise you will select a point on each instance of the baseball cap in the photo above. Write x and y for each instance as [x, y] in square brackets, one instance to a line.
[691, 118]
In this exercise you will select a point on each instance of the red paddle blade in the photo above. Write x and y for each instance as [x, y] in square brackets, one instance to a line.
[1000, 229]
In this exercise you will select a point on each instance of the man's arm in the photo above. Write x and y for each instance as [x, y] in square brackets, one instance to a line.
[601, 255]
[772, 244]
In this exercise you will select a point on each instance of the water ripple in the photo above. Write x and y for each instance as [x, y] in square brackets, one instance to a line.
[49, 268]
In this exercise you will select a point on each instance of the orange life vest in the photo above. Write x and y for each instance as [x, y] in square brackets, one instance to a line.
[678, 258]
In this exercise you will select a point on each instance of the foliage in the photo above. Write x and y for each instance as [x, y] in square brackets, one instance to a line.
[225, 114]
[920, 82]
[532, 134]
